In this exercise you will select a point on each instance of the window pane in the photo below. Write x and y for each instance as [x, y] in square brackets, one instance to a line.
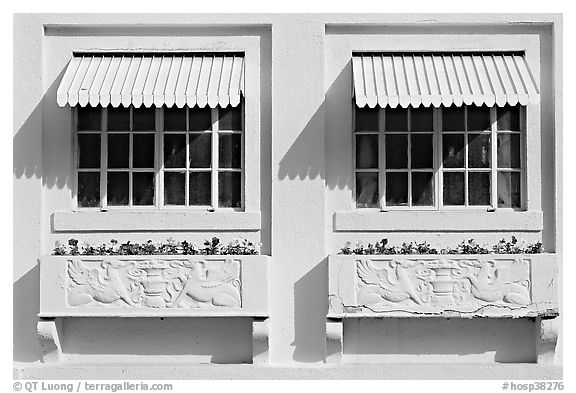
[453, 150]
[366, 151]
[509, 189]
[479, 188]
[367, 190]
[422, 155]
[200, 119]
[396, 119]
[200, 188]
[366, 119]
[397, 189]
[453, 118]
[422, 189]
[200, 150]
[453, 188]
[229, 150]
[421, 119]
[479, 150]
[229, 189]
[230, 118]
[89, 118]
[143, 188]
[508, 150]
[118, 150]
[175, 119]
[88, 189]
[175, 150]
[144, 119]
[117, 191]
[396, 151]
[174, 186]
[508, 118]
[88, 150]
[478, 118]
[118, 119]
[143, 150]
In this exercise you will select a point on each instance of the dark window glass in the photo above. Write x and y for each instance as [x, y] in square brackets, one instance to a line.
[89, 119]
[367, 190]
[229, 189]
[174, 186]
[479, 188]
[508, 118]
[422, 189]
[175, 119]
[88, 150]
[453, 150]
[396, 189]
[200, 119]
[200, 150]
[175, 150]
[453, 188]
[143, 150]
[144, 119]
[508, 150]
[118, 150]
[509, 189]
[396, 119]
[453, 118]
[200, 188]
[396, 151]
[422, 151]
[230, 118]
[366, 119]
[421, 119]
[143, 188]
[229, 151]
[479, 150]
[366, 151]
[478, 118]
[88, 189]
[118, 119]
[117, 191]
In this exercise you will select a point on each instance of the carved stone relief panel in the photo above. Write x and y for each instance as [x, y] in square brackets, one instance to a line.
[155, 283]
[464, 285]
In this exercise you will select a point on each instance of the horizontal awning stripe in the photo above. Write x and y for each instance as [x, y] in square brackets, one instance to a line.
[153, 80]
[414, 79]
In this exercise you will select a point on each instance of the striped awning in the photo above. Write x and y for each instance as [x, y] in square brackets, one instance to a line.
[213, 80]
[442, 79]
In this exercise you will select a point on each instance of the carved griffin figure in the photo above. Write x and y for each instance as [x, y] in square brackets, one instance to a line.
[101, 285]
[216, 286]
[392, 284]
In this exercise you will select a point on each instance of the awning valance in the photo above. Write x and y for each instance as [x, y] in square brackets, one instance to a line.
[213, 80]
[442, 79]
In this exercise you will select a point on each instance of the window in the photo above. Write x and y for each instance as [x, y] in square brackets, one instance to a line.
[166, 157]
[431, 158]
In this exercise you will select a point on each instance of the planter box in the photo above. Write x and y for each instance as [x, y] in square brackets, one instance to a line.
[152, 286]
[445, 286]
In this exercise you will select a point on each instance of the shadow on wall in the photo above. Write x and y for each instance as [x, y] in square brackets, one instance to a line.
[310, 308]
[26, 305]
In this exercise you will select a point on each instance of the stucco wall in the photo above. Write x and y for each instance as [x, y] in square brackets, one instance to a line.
[300, 164]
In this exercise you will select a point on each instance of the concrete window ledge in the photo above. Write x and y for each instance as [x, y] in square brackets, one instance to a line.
[443, 286]
[176, 220]
[418, 221]
[154, 286]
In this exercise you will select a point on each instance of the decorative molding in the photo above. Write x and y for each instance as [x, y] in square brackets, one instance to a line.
[154, 283]
[448, 283]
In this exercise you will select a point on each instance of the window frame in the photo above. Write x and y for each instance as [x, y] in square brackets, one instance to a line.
[159, 168]
[438, 170]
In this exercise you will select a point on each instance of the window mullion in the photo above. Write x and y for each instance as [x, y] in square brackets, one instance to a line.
[466, 193]
[159, 162]
[104, 160]
[494, 159]
[130, 155]
[187, 163]
[409, 155]
[437, 155]
[381, 157]
[440, 155]
[214, 182]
